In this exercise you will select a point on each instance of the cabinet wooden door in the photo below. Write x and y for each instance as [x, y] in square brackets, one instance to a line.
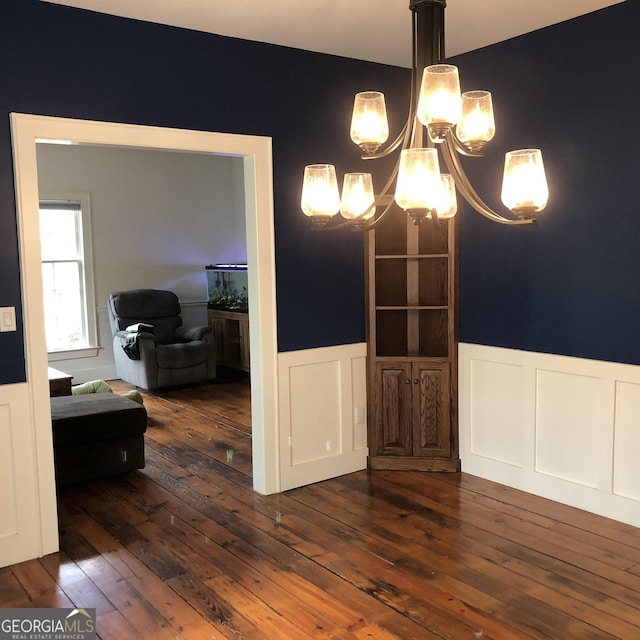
[392, 410]
[430, 405]
[243, 333]
[411, 409]
[217, 329]
[230, 331]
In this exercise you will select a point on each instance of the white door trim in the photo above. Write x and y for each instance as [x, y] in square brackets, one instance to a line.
[256, 151]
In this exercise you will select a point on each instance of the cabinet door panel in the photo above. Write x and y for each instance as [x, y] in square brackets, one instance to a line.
[431, 410]
[393, 409]
[243, 326]
[230, 332]
[217, 329]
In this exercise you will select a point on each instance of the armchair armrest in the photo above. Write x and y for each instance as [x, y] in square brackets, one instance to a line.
[126, 336]
[147, 347]
[192, 333]
[135, 344]
[142, 335]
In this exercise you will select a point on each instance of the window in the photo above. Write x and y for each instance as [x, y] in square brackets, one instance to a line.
[67, 276]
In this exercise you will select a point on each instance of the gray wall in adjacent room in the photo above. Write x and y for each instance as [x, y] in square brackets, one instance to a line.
[157, 218]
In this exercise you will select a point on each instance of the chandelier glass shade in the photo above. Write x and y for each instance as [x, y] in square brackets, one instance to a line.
[418, 186]
[524, 187]
[369, 125]
[477, 125]
[440, 104]
[443, 123]
[320, 198]
[447, 205]
[357, 196]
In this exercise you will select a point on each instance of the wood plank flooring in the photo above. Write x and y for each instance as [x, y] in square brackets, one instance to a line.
[186, 550]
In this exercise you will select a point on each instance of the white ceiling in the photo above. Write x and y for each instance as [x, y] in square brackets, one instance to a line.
[375, 30]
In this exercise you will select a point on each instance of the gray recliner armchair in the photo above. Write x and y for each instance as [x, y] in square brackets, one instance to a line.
[151, 348]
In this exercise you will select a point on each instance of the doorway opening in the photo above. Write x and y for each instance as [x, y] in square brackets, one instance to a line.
[255, 152]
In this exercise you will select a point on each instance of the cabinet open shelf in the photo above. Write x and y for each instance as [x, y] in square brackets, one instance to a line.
[421, 333]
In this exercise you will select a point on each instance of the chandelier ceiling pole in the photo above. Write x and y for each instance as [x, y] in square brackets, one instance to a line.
[428, 16]
[441, 122]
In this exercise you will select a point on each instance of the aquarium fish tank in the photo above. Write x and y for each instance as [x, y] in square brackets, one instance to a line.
[227, 287]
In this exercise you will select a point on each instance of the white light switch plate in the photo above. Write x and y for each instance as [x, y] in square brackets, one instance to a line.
[7, 318]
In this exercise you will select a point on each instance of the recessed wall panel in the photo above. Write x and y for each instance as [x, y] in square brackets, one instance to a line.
[8, 498]
[567, 429]
[580, 428]
[315, 411]
[322, 413]
[497, 411]
[626, 456]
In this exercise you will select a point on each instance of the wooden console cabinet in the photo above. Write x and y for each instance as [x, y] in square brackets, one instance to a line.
[59, 383]
[412, 276]
[231, 335]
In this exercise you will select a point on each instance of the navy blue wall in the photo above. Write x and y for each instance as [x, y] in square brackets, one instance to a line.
[570, 285]
[66, 62]
[567, 286]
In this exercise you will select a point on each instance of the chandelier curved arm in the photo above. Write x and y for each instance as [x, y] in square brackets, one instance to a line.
[342, 225]
[388, 150]
[360, 223]
[381, 217]
[405, 135]
[385, 191]
[392, 178]
[409, 128]
[461, 147]
[469, 193]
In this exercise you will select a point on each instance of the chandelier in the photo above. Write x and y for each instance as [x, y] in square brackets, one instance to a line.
[442, 123]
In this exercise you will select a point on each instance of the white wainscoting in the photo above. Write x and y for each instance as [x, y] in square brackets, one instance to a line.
[322, 413]
[563, 428]
[28, 519]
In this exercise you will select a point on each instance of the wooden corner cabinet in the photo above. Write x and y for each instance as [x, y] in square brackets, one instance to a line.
[231, 335]
[412, 276]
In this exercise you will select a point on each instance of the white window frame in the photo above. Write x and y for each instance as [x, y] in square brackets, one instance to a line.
[92, 347]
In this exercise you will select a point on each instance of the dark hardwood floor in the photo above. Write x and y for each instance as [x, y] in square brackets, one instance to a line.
[186, 549]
